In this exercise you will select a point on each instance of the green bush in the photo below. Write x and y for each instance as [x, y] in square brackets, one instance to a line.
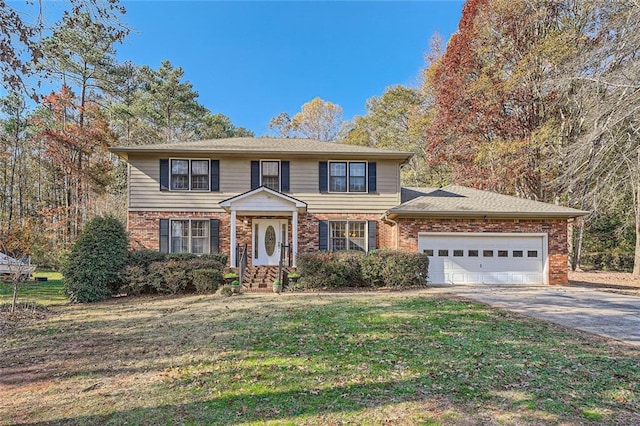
[92, 269]
[144, 258]
[395, 268]
[154, 272]
[206, 280]
[329, 269]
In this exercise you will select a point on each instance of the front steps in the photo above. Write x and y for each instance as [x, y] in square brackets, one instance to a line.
[261, 278]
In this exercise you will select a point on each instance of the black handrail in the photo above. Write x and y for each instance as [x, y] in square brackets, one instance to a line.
[285, 249]
[241, 260]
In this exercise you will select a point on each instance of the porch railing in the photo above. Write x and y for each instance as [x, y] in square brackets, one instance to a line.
[285, 253]
[241, 260]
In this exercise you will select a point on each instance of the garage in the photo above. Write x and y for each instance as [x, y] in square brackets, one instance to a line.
[485, 258]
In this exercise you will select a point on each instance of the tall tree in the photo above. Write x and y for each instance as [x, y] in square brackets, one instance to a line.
[171, 103]
[397, 120]
[20, 35]
[317, 119]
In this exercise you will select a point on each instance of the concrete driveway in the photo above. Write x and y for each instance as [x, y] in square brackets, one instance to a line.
[598, 312]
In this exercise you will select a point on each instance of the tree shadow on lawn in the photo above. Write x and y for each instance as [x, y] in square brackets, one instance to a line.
[406, 402]
[291, 360]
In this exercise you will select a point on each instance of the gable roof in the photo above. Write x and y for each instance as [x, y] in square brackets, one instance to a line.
[263, 191]
[460, 201]
[264, 146]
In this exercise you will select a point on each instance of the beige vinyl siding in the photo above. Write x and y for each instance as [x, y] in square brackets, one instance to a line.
[304, 187]
[235, 178]
[145, 194]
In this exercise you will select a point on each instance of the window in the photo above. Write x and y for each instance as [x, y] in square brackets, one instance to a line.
[443, 253]
[190, 175]
[357, 177]
[487, 253]
[190, 236]
[472, 253]
[458, 253]
[532, 253]
[348, 176]
[271, 174]
[428, 252]
[503, 253]
[347, 235]
[517, 253]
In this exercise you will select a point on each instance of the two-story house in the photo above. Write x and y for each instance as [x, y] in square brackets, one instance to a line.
[261, 193]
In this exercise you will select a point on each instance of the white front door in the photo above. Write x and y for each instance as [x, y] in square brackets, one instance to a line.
[268, 234]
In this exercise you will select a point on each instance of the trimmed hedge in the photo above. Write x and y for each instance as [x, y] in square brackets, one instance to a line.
[380, 268]
[394, 268]
[150, 272]
[206, 280]
[92, 270]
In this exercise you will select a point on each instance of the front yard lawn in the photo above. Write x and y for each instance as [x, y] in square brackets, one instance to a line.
[372, 358]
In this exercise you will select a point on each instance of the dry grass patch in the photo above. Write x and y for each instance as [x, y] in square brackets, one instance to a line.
[399, 358]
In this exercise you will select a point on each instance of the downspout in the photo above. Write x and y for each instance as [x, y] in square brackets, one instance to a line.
[385, 218]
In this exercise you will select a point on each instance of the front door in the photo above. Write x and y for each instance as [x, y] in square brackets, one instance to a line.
[268, 234]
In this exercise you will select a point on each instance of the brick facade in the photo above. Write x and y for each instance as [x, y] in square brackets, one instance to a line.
[556, 229]
[144, 232]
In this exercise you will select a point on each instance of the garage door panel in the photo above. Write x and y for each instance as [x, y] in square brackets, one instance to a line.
[475, 259]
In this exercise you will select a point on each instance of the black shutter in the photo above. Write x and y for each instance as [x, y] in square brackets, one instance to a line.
[164, 175]
[255, 174]
[372, 226]
[214, 235]
[215, 175]
[373, 187]
[323, 176]
[323, 237]
[284, 176]
[164, 235]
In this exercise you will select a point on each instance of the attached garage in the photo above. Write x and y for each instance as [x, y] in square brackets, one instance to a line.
[485, 258]
[480, 237]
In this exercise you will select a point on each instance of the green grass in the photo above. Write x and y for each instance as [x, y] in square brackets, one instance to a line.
[317, 359]
[46, 293]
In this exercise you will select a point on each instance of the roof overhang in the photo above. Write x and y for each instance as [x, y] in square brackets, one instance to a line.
[398, 213]
[263, 200]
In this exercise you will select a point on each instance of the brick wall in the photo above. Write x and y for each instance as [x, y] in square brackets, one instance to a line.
[556, 229]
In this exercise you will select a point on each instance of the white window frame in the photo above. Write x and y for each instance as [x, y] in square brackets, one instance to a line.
[208, 160]
[347, 222]
[279, 172]
[348, 162]
[190, 237]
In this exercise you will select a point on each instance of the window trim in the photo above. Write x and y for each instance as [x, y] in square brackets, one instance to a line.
[347, 221]
[348, 162]
[279, 173]
[189, 174]
[190, 237]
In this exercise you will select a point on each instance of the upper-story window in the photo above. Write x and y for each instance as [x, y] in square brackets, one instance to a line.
[348, 176]
[270, 174]
[190, 175]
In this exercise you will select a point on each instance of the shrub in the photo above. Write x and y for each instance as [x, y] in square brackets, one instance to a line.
[329, 269]
[226, 291]
[144, 258]
[206, 280]
[395, 268]
[91, 272]
[154, 272]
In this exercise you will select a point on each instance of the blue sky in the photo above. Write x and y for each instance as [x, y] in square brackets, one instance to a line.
[253, 60]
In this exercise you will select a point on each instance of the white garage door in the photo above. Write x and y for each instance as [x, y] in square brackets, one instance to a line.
[466, 258]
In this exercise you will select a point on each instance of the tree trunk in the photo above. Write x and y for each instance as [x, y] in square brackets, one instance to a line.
[15, 294]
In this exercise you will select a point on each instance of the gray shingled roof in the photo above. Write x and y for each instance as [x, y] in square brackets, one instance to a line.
[454, 200]
[243, 146]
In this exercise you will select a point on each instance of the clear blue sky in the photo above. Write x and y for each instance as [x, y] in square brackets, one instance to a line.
[253, 60]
